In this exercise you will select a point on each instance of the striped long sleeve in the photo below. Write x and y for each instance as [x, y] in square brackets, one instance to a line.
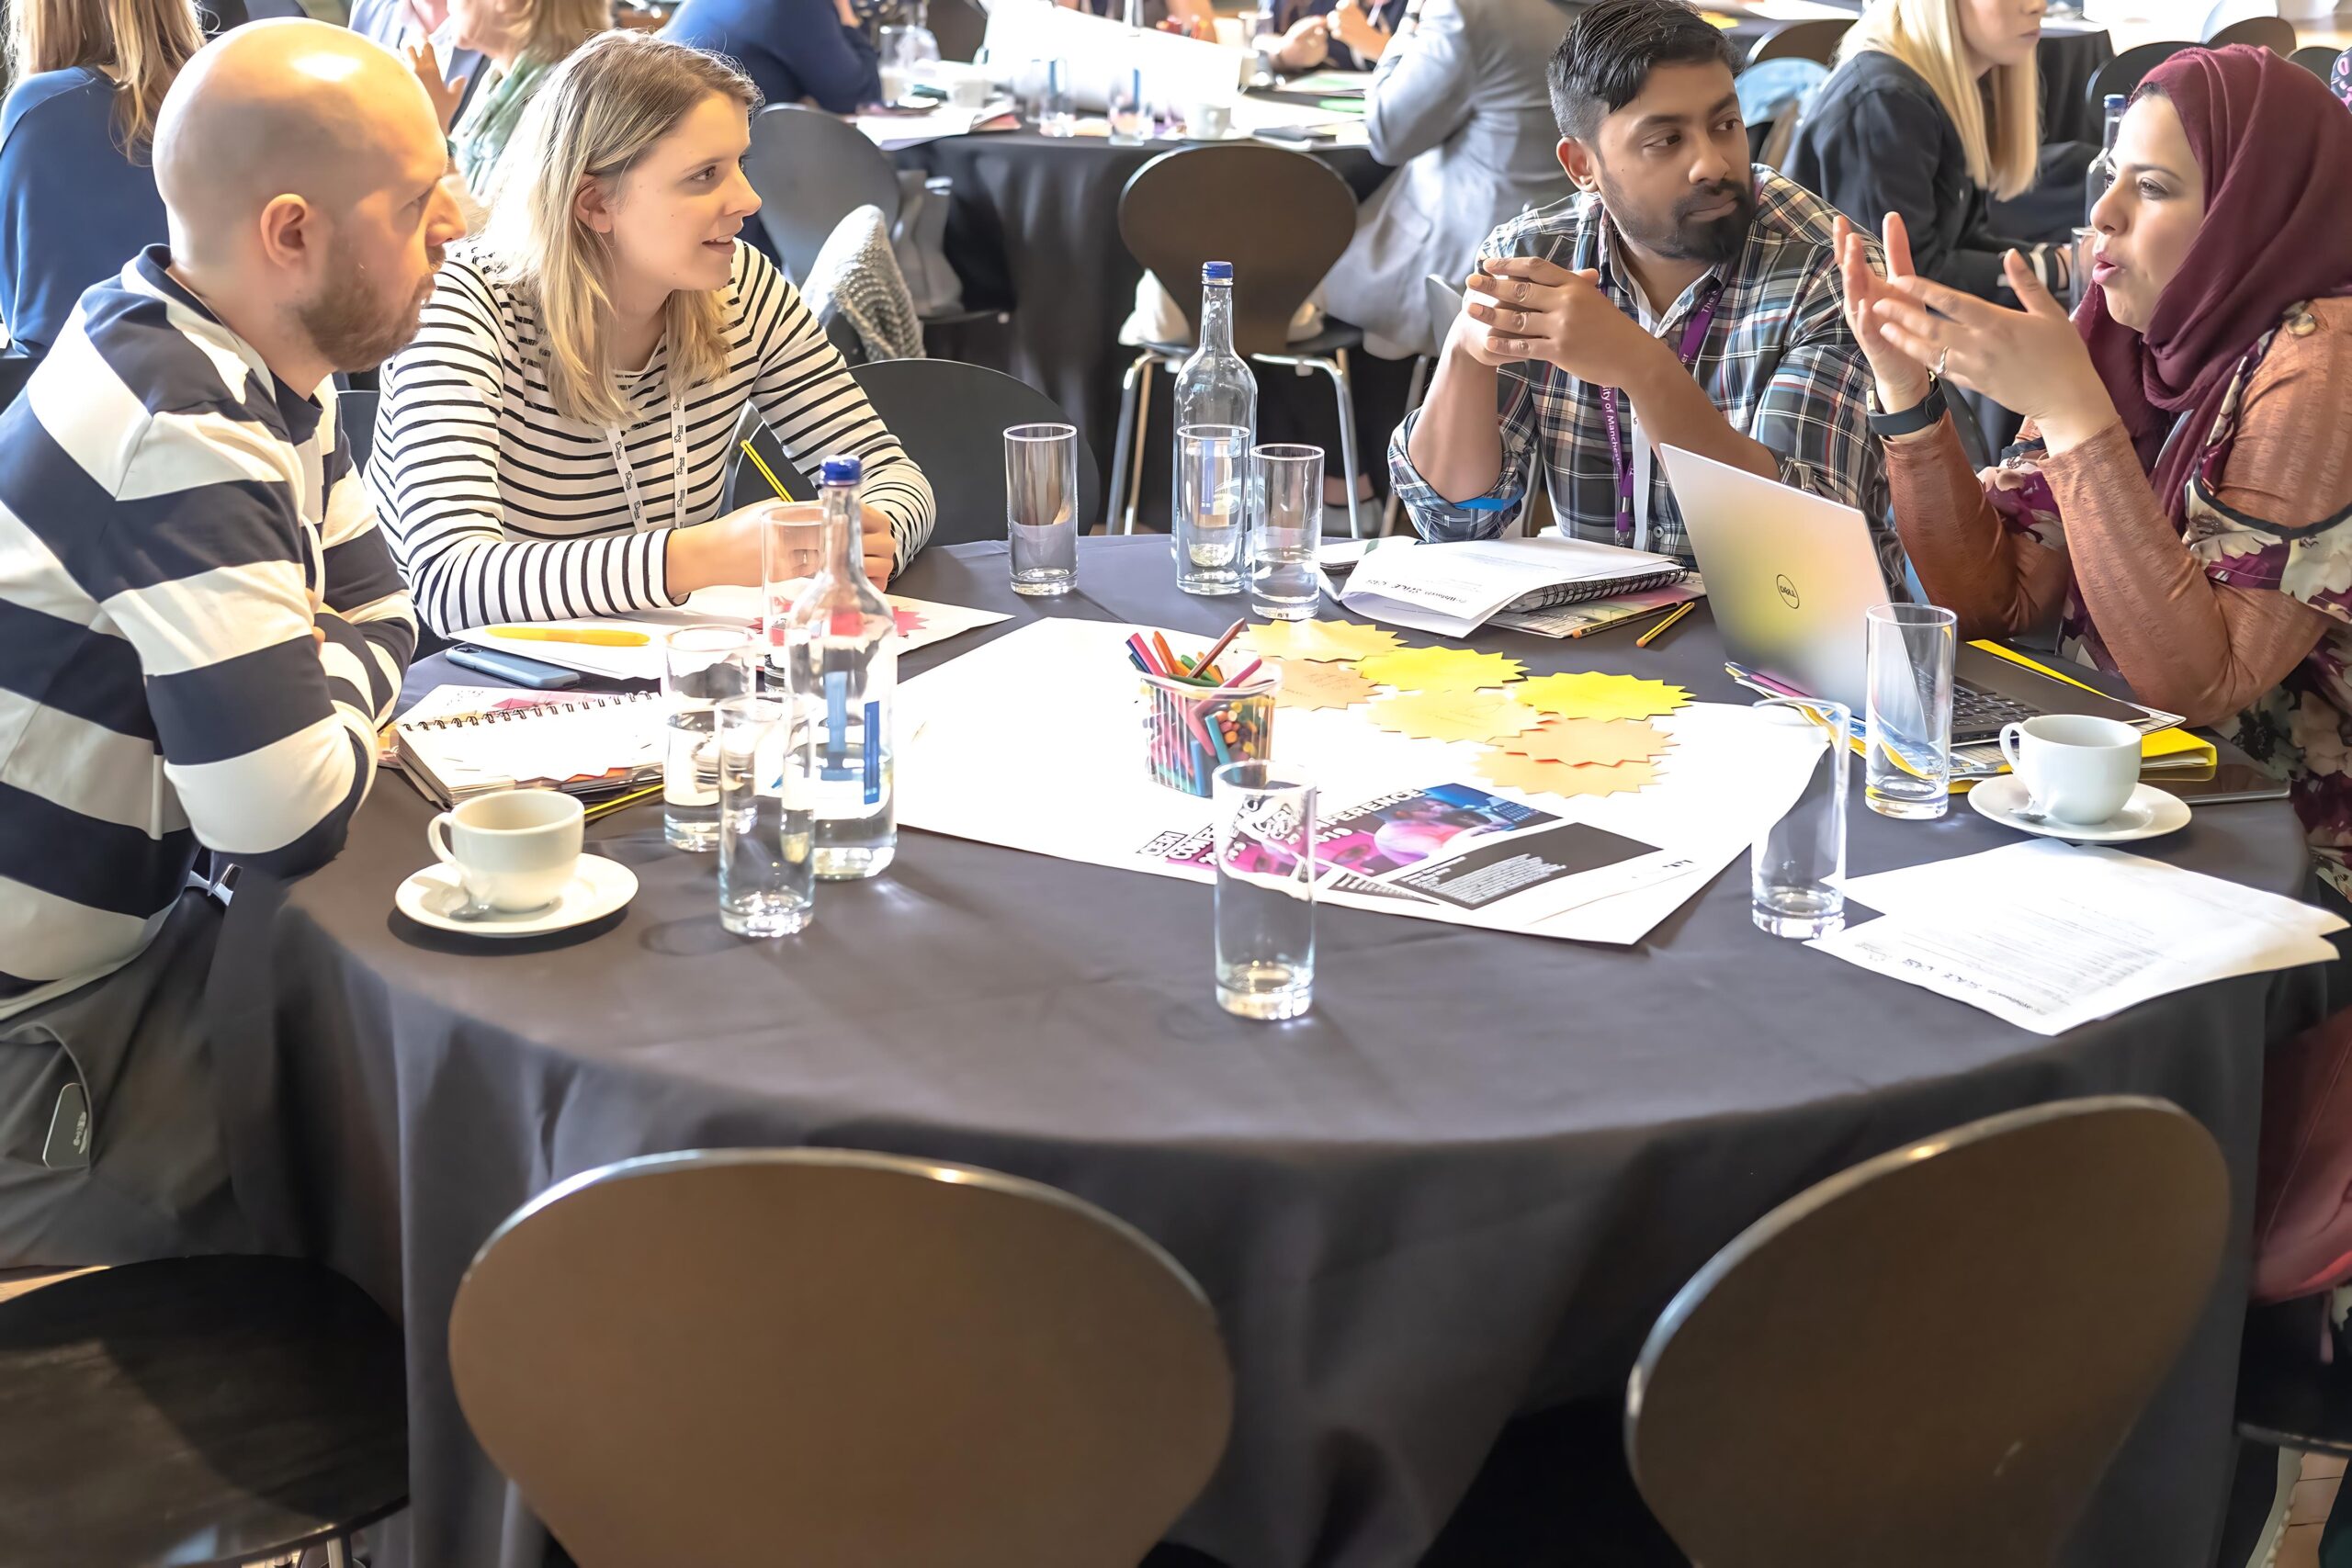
[501, 509]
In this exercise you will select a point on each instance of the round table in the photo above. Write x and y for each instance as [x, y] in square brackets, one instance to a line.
[1462, 1189]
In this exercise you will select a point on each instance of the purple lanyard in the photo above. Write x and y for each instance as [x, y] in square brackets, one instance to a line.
[1694, 335]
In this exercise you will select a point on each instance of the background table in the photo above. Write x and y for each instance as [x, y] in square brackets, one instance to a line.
[1462, 1189]
[1033, 227]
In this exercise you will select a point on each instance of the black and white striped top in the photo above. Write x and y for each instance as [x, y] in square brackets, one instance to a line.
[499, 509]
[175, 524]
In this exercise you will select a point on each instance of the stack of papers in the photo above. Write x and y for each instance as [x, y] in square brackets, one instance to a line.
[2049, 936]
[1452, 590]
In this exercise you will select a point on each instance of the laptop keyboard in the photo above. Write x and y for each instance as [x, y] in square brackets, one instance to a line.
[1977, 712]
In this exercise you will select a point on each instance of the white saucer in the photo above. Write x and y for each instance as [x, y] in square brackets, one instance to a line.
[602, 886]
[2150, 813]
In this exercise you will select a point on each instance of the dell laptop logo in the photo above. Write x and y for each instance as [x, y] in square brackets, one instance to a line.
[1787, 590]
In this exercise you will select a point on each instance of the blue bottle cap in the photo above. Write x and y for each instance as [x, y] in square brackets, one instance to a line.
[2116, 103]
[1216, 272]
[841, 471]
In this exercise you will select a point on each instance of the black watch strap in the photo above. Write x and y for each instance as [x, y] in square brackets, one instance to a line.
[1910, 421]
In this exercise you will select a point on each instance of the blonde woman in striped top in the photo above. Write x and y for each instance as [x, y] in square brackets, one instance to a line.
[554, 441]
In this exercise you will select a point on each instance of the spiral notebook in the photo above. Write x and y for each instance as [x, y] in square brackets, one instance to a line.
[1453, 589]
[593, 747]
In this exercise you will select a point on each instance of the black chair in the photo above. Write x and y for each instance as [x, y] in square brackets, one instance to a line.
[356, 410]
[1817, 40]
[811, 171]
[836, 1359]
[2319, 60]
[952, 417]
[199, 1412]
[1931, 1357]
[2125, 73]
[2273, 33]
[16, 369]
[1175, 215]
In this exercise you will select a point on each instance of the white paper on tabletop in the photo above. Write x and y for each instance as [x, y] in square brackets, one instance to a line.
[1035, 741]
[2050, 936]
[921, 624]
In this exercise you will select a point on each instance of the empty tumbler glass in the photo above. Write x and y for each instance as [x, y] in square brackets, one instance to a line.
[1799, 868]
[1041, 521]
[1907, 726]
[1285, 525]
[1265, 891]
[701, 666]
[767, 863]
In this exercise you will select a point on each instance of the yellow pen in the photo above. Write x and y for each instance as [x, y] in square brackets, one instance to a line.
[1664, 626]
[765, 472]
[594, 636]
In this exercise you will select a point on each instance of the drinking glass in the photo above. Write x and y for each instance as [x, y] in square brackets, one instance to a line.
[1057, 112]
[701, 666]
[1212, 506]
[1041, 521]
[1130, 116]
[907, 53]
[1265, 891]
[1285, 523]
[1906, 719]
[2078, 281]
[767, 861]
[1798, 872]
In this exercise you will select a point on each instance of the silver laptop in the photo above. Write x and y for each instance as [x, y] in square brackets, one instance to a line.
[1789, 575]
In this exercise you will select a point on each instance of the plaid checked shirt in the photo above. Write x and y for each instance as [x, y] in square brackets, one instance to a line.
[1778, 360]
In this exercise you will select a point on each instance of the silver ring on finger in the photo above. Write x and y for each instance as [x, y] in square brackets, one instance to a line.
[1522, 324]
[1940, 362]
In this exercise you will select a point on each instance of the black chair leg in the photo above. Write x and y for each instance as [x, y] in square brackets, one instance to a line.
[1118, 513]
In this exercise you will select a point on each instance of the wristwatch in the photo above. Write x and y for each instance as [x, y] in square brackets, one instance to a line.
[1910, 421]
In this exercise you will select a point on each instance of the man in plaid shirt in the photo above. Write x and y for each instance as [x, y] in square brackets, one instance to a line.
[1674, 245]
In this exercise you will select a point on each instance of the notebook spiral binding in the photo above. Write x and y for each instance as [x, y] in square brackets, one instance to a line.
[475, 721]
[1584, 592]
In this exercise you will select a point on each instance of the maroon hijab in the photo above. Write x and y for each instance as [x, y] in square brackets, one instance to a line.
[2271, 140]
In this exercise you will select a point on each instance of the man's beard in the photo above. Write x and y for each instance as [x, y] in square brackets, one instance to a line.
[1678, 236]
[351, 324]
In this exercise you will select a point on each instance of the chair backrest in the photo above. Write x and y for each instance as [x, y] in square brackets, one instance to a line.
[1177, 213]
[811, 171]
[355, 411]
[2319, 60]
[951, 417]
[1930, 1358]
[1816, 39]
[961, 26]
[2124, 73]
[2273, 33]
[838, 1359]
[1772, 96]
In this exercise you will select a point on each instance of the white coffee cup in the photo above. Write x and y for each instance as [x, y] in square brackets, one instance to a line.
[2077, 768]
[514, 850]
[1207, 120]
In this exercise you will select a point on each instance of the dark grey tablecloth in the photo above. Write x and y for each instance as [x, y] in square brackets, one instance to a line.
[1463, 1188]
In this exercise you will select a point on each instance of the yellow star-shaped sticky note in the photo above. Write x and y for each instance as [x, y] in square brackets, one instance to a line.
[1588, 693]
[1537, 777]
[1306, 684]
[1454, 716]
[1605, 741]
[1440, 669]
[1335, 642]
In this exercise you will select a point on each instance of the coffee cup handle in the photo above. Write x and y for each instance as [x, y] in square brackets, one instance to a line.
[2011, 734]
[437, 833]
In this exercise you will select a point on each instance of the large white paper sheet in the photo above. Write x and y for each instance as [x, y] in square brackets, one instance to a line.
[2049, 936]
[1035, 742]
[921, 624]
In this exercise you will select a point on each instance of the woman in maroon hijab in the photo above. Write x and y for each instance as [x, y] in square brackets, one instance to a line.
[2181, 505]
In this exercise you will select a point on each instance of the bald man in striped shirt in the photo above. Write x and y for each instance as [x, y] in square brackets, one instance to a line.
[201, 624]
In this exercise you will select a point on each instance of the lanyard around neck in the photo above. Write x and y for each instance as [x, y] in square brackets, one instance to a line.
[1695, 337]
[629, 487]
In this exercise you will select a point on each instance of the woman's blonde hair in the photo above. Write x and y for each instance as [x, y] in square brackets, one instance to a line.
[553, 29]
[1925, 35]
[140, 44]
[597, 115]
